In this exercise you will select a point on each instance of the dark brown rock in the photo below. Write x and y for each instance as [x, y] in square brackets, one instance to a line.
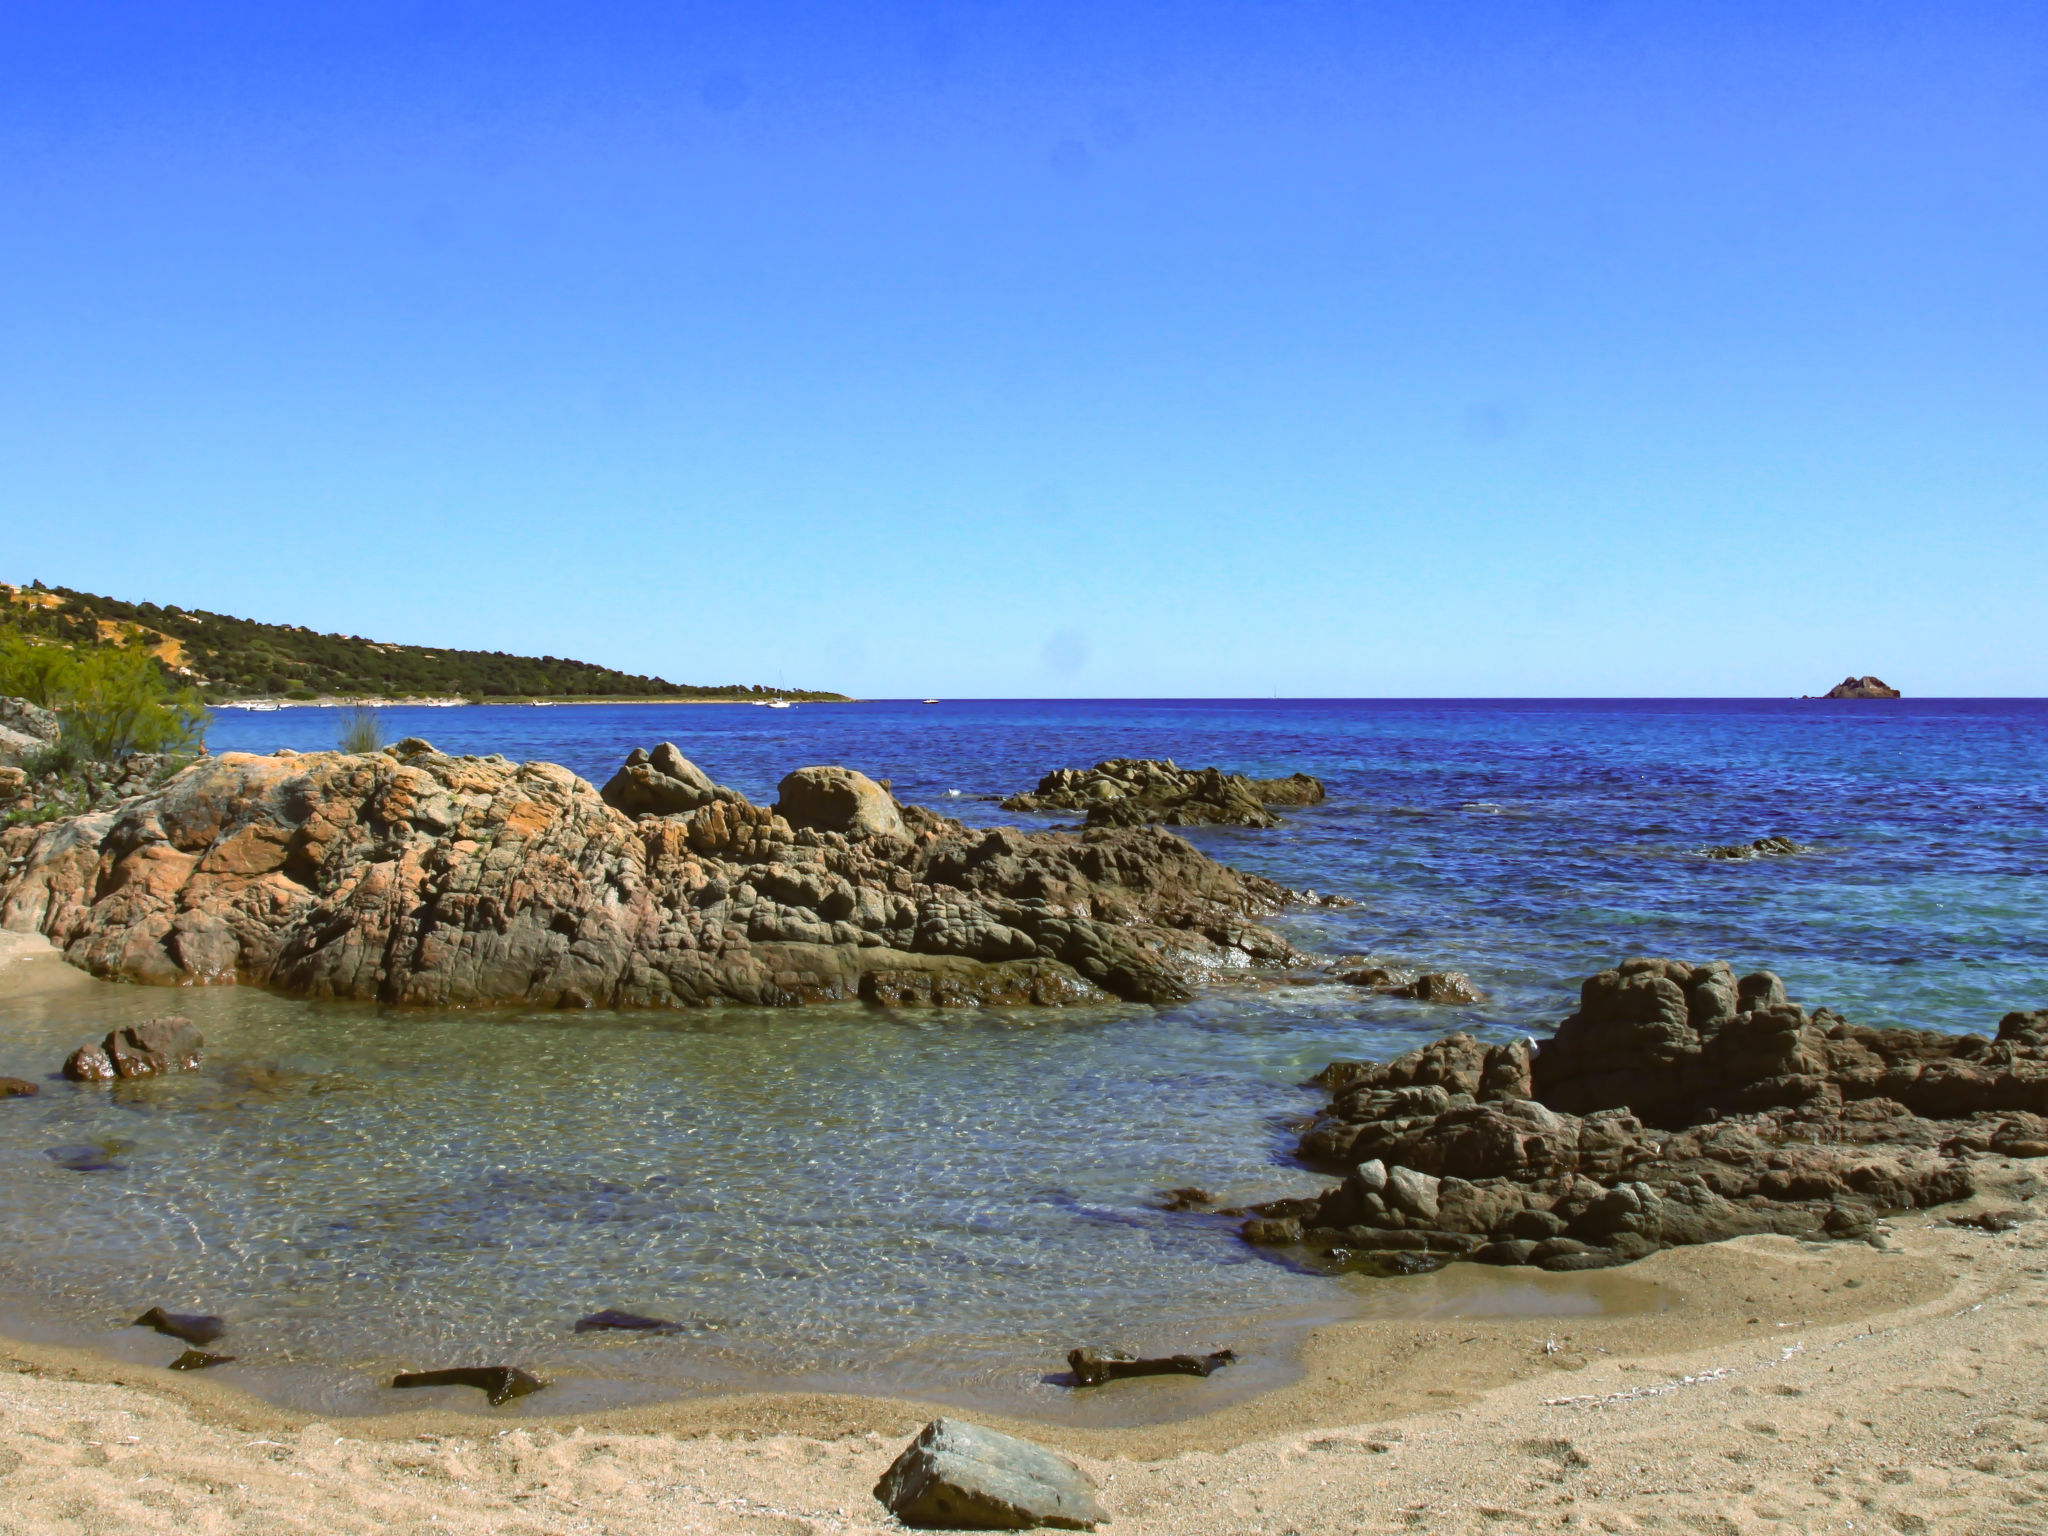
[499, 1383]
[155, 1047]
[89, 1064]
[1092, 1367]
[17, 1088]
[1441, 987]
[192, 1327]
[1678, 1105]
[1853, 687]
[199, 1360]
[627, 1322]
[1762, 848]
[1131, 792]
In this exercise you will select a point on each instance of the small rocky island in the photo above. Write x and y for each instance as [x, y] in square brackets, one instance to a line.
[1147, 791]
[408, 876]
[1860, 688]
[1680, 1104]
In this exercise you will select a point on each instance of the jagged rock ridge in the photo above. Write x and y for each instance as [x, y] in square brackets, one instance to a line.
[1142, 791]
[410, 876]
[1678, 1105]
[1853, 687]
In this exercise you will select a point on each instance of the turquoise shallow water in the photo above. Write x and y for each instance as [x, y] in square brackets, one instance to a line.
[943, 1203]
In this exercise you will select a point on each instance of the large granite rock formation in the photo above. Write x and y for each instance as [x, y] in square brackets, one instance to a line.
[1861, 688]
[1143, 791]
[1678, 1105]
[409, 876]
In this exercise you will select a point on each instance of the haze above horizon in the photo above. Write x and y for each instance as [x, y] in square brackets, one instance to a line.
[1216, 350]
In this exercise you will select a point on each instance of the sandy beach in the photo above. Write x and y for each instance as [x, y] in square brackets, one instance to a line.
[1785, 1386]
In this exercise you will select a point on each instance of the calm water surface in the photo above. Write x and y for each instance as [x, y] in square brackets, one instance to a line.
[943, 1203]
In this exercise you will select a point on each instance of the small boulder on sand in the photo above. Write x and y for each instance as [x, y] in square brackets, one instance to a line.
[960, 1476]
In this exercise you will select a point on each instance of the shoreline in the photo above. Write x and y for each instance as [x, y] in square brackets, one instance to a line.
[266, 704]
[1480, 1424]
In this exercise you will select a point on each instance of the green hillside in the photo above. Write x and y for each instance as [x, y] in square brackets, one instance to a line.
[230, 658]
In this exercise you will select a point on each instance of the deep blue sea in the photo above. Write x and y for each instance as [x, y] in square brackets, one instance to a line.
[941, 1203]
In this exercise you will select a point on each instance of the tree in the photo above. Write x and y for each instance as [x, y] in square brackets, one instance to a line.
[120, 704]
[42, 674]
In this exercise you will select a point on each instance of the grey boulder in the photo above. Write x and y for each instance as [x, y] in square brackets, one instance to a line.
[662, 783]
[961, 1476]
[838, 800]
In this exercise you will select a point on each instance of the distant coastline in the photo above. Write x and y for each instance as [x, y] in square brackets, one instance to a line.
[263, 705]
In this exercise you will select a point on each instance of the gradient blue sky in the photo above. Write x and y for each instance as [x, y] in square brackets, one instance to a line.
[1319, 348]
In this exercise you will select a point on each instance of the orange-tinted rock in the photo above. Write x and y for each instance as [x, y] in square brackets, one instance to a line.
[408, 876]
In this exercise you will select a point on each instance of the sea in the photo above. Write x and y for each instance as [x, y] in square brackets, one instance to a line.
[939, 1204]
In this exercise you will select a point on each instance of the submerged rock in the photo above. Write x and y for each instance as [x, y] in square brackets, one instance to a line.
[960, 1476]
[192, 1327]
[628, 1322]
[1762, 848]
[149, 1049]
[1439, 987]
[18, 1088]
[499, 1383]
[1141, 791]
[410, 877]
[1092, 1367]
[1680, 1104]
[91, 1156]
[199, 1360]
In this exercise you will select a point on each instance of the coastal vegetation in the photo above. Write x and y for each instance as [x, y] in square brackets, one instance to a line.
[224, 658]
[362, 730]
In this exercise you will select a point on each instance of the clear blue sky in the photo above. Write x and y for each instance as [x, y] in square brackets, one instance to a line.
[1000, 348]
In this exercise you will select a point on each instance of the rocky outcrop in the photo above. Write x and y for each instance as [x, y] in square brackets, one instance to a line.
[1861, 688]
[411, 877]
[1143, 791]
[1680, 1104]
[960, 1476]
[1761, 848]
[658, 783]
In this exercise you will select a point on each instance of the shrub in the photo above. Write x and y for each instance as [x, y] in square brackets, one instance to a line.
[42, 674]
[119, 704]
[362, 730]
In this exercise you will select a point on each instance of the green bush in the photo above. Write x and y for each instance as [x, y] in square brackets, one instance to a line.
[42, 674]
[119, 703]
[362, 730]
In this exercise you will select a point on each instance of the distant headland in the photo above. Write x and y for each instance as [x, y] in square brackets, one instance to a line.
[1858, 688]
[228, 659]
